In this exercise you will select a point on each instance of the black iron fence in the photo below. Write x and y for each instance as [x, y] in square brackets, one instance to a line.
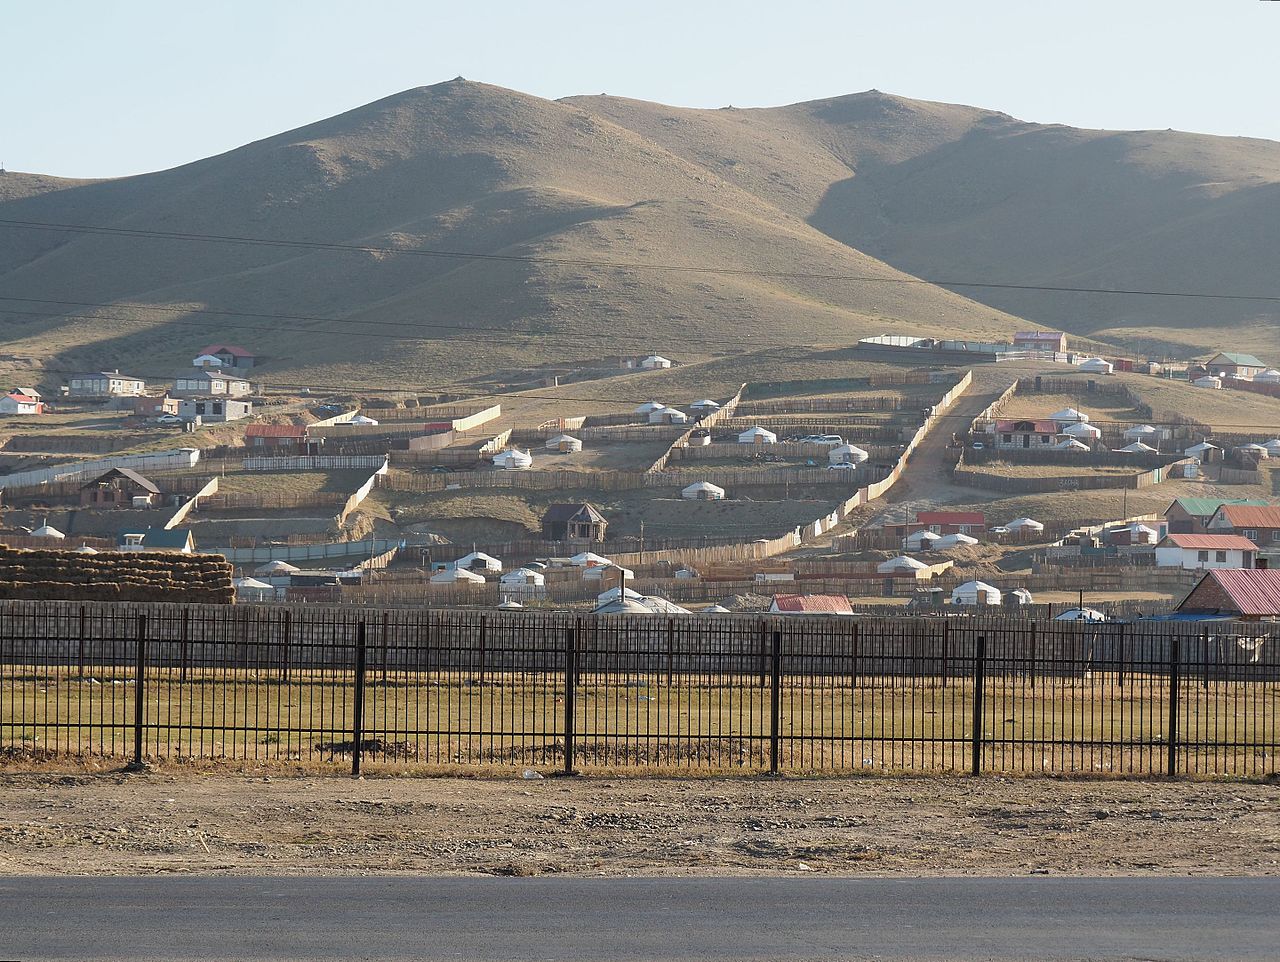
[444, 688]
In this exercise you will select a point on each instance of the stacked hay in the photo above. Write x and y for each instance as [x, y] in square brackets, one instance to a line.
[42, 575]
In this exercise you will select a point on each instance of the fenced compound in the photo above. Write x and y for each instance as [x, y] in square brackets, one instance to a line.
[448, 688]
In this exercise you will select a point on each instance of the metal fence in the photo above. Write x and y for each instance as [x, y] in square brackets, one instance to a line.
[445, 688]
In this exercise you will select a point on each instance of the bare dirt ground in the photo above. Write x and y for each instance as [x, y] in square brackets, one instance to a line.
[197, 822]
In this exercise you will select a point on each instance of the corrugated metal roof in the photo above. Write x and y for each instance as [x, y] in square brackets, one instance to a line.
[1251, 515]
[1026, 425]
[1212, 542]
[1204, 507]
[950, 517]
[816, 604]
[1254, 591]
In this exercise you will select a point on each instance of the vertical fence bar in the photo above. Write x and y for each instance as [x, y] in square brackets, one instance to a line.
[979, 677]
[139, 690]
[357, 708]
[775, 705]
[81, 646]
[1174, 657]
[570, 694]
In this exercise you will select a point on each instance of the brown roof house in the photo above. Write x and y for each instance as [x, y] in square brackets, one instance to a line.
[119, 488]
[1250, 594]
[573, 522]
[1259, 523]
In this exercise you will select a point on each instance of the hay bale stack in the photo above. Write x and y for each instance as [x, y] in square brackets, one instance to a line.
[51, 575]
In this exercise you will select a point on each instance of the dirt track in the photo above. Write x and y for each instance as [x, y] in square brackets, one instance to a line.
[239, 824]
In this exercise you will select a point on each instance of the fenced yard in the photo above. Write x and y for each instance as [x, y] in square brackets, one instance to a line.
[418, 688]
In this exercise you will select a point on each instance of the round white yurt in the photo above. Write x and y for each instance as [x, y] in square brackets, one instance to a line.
[1096, 365]
[1019, 596]
[513, 460]
[600, 572]
[251, 589]
[564, 444]
[901, 563]
[953, 541]
[1269, 376]
[588, 559]
[649, 406]
[976, 593]
[1140, 432]
[1080, 614]
[1258, 451]
[668, 416]
[523, 578]
[478, 561]
[1208, 381]
[363, 421]
[847, 454]
[757, 435]
[714, 610]
[705, 406]
[924, 538]
[1203, 451]
[1082, 431]
[1137, 447]
[47, 530]
[654, 362]
[277, 569]
[1068, 416]
[1070, 444]
[703, 491]
[509, 604]
[86, 549]
[1273, 448]
[456, 576]
[1024, 525]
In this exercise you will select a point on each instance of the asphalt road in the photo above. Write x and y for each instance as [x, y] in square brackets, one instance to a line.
[622, 919]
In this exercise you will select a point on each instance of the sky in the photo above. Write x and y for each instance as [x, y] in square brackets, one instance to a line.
[94, 89]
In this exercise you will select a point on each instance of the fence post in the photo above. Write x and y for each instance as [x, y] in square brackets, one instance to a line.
[775, 705]
[570, 695]
[946, 639]
[1174, 656]
[80, 649]
[1033, 656]
[979, 677]
[139, 690]
[484, 640]
[357, 709]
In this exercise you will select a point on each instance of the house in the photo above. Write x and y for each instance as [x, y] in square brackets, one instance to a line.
[952, 522]
[210, 382]
[1096, 365]
[153, 407]
[810, 605]
[513, 459]
[214, 410]
[564, 444]
[276, 436]
[157, 539]
[119, 488]
[105, 384]
[1259, 523]
[1230, 364]
[1024, 433]
[703, 491]
[1194, 551]
[224, 356]
[573, 522]
[1054, 341]
[1249, 594]
[757, 435]
[1191, 515]
[17, 402]
[654, 362]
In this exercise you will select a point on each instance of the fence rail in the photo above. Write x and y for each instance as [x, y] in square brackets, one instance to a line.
[424, 688]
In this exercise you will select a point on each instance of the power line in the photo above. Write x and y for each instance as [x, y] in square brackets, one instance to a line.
[605, 264]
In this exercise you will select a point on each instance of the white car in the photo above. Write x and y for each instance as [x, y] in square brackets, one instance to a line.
[831, 440]
[998, 529]
[842, 466]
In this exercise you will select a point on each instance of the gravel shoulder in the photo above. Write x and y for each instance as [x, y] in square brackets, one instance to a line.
[216, 823]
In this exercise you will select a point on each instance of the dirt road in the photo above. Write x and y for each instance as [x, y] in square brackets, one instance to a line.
[238, 824]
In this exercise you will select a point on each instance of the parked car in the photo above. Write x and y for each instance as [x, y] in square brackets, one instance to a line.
[842, 466]
[978, 445]
[832, 440]
[998, 529]
[169, 420]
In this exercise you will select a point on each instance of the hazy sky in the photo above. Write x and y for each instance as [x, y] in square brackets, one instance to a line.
[93, 88]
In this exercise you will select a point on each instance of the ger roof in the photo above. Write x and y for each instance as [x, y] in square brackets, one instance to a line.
[1251, 515]
[1204, 507]
[1253, 591]
[1211, 542]
[819, 604]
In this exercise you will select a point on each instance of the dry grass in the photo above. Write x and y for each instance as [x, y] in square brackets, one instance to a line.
[292, 483]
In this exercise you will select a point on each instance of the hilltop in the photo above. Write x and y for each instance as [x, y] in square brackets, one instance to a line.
[824, 209]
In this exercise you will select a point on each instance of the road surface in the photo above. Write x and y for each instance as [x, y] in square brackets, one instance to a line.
[391, 918]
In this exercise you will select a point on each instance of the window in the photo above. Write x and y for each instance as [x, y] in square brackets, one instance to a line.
[1220, 557]
[1045, 439]
[1007, 438]
[1251, 534]
[1202, 556]
[1275, 534]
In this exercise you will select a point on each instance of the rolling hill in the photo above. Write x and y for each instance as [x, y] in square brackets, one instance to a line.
[818, 218]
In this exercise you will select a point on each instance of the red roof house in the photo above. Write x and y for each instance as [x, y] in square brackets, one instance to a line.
[810, 605]
[951, 522]
[230, 355]
[1259, 523]
[1248, 593]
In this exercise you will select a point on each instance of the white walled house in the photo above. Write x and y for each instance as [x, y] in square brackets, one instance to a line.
[1016, 433]
[16, 402]
[1195, 551]
[105, 384]
[210, 382]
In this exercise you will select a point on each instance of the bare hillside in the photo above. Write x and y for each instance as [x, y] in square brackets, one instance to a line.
[455, 167]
